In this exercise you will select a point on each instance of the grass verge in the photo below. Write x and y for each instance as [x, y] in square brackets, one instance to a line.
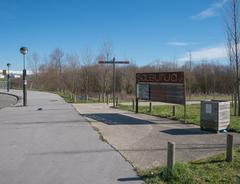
[192, 116]
[212, 170]
[70, 99]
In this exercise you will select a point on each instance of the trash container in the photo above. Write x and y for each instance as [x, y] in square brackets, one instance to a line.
[215, 115]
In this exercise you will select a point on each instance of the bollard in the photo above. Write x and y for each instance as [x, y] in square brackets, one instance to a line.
[170, 156]
[230, 148]
[150, 107]
[133, 104]
[174, 111]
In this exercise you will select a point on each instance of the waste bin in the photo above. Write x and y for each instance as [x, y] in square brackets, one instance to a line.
[215, 115]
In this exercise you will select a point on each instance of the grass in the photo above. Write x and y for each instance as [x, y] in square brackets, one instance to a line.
[69, 99]
[192, 115]
[212, 170]
[216, 96]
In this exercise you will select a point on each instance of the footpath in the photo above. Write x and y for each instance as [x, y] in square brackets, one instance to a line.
[48, 142]
[142, 139]
[7, 100]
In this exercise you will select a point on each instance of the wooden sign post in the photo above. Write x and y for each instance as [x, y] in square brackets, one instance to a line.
[113, 62]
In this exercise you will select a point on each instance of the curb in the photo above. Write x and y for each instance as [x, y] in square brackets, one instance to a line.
[10, 94]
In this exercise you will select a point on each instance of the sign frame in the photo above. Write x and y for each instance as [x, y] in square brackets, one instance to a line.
[159, 79]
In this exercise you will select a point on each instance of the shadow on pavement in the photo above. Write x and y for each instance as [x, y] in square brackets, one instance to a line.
[117, 119]
[129, 179]
[186, 131]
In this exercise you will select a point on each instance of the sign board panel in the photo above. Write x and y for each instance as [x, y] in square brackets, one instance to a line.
[168, 87]
[4, 72]
[161, 77]
[168, 93]
[113, 62]
[143, 91]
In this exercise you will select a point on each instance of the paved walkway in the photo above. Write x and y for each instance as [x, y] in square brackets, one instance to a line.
[55, 145]
[7, 100]
[142, 139]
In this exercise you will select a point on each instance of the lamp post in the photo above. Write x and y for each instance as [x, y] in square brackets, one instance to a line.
[8, 77]
[24, 51]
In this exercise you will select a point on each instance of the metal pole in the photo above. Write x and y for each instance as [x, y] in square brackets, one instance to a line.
[136, 108]
[185, 113]
[136, 99]
[8, 85]
[114, 82]
[24, 83]
[133, 105]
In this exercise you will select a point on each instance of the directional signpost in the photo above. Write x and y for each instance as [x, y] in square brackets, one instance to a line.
[113, 62]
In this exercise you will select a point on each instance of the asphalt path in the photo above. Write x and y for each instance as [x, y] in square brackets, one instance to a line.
[7, 100]
[48, 142]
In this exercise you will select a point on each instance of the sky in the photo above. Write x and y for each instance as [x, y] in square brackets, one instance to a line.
[140, 30]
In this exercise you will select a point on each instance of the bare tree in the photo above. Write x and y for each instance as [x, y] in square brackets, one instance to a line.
[106, 54]
[72, 75]
[87, 59]
[34, 63]
[56, 61]
[232, 25]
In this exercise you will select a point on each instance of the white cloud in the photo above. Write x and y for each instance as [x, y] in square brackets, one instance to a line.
[214, 53]
[180, 44]
[211, 11]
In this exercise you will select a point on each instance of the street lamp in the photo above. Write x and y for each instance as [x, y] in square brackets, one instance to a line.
[24, 51]
[8, 77]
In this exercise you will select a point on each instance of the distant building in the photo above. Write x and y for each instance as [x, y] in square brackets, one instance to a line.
[13, 74]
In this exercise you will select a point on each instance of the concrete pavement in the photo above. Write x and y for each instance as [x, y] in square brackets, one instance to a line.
[142, 139]
[7, 100]
[48, 142]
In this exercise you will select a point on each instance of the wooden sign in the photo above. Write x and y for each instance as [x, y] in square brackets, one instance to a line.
[161, 77]
[168, 93]
[168, 87]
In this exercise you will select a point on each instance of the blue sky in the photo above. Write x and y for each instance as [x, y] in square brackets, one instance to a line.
[142, 30]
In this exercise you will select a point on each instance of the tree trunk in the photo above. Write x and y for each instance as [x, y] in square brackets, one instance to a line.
[235, 103]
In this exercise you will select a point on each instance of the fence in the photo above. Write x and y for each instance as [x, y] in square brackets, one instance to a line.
[3, 84]
[171, 155]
